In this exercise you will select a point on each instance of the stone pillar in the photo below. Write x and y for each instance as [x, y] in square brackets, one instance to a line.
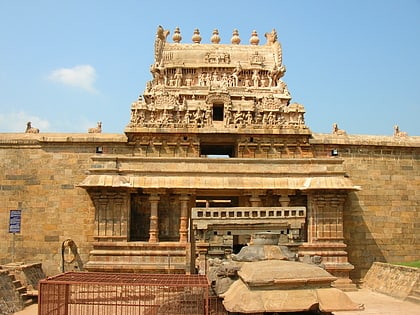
[284, 199]
[255, 201]
[154, 225]
[254, 198]
[183, 224]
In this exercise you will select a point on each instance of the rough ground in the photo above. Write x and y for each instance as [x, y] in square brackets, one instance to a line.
[375, 304]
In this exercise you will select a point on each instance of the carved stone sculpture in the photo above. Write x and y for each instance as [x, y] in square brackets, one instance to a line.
[199, 85]
[30, 129]
[337, 131]
[398, 133]
[97, 129]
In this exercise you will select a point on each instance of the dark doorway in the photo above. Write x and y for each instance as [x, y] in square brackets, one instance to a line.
[239, 241]
[169, 216]
[139, 218]
[218, 112]
[216, 202]
[217, 150]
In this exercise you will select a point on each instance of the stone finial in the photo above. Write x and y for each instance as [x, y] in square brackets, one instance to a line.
[196, 38]
[215, 39]
[30, 129]
[235, 37]
[271, 37]
[97, 129]
[254, 40]
[177, 35]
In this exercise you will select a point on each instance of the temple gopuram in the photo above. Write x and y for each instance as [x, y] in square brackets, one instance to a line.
[218, 152]
[214, 152]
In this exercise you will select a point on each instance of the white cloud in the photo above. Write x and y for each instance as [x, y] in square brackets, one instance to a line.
[16, 122]
[82, 76]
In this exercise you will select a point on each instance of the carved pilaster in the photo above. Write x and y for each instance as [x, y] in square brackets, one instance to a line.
[325, 234]
[111, 214]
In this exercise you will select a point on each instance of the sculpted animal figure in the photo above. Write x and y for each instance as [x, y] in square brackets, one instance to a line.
[30, 129]
[338, 131]
[398, 133]
[97, 129]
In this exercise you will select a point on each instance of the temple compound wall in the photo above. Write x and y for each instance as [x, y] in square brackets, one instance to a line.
[41, 176]
[382, 219]
[213, 153]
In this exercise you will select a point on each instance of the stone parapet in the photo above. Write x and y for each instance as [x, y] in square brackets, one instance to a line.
[369, 140]
[393, 280]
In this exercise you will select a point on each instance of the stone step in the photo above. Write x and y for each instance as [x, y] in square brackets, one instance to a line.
[21, 290]
[17, 283]
[413, 299]
[348, 287]
[109, 266]
[138, 257]
[415, 292]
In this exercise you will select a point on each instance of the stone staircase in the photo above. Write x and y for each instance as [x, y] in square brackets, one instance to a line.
[10, 300]
[414, 295]
[142, 257]
[28, 296]
[19, 284]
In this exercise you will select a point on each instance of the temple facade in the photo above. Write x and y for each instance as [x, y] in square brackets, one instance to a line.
[218, 152]
[214, 152]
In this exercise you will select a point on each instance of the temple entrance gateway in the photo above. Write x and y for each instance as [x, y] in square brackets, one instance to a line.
[217, 152]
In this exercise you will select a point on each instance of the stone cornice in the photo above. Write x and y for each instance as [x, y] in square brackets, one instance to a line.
[364, 140]
[43, 138]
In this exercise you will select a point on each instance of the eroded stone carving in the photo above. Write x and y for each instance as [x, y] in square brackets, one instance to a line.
[30, 129]
[337, 131]
[216, 85]
[97, 129]
[398, 133]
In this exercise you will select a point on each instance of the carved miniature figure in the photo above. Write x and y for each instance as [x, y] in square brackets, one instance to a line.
[338, 131]
[255, 78]
[178, 77]
[233, 70]
[97, 129]
[398, 133]
[30, 129]
[236, 73]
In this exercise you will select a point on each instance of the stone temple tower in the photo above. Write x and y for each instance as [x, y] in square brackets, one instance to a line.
[218, 151]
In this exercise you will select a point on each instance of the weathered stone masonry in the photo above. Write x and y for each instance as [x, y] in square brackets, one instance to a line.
[40, 175]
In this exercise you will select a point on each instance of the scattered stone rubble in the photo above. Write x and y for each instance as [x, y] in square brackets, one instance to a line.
[264, 277]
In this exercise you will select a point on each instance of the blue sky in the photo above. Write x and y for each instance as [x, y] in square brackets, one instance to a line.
[64, 65]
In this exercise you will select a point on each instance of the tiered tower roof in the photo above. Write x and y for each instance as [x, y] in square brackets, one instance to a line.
[228, 88]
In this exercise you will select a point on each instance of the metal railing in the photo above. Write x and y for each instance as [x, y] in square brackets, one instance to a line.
[123, 294]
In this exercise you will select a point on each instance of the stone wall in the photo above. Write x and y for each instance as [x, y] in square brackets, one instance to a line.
[39, 174]
[393, 280]
[382, 220]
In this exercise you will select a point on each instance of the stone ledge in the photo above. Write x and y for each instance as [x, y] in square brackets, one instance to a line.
[369, 140]
[37, 138]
